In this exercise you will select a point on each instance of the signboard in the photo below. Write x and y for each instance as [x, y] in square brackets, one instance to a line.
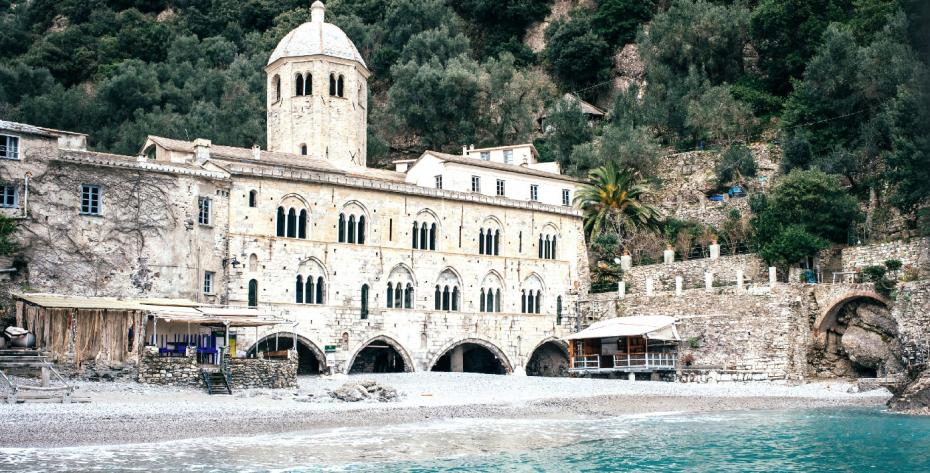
[329, 348]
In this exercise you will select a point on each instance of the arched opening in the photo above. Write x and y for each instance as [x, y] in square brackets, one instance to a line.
[253, 293]
[299, 85]
[310, 359]
[253, 198]
[276, 84]
[292, 223]
[472, 356]
[361, 230]
[350, 230]
[548, 359]
[364, 301]
[302, 224]
[299, 293]
[332, 84]
[342, 228]
[856, 336]
[340, 86]
[303, 150]
[281, 224]
[381, 355]
[308, 85]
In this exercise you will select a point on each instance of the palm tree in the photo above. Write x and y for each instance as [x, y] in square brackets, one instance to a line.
[613, 202]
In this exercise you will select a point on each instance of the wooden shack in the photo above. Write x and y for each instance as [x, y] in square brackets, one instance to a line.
[625, 344]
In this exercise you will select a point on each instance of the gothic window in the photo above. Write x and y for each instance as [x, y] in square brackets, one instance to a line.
[497, 300]
[308, 85]
[352, 227]
[253, 198]
[455, 298]
[309, 290]
[531, 295]
[364, 313]
[281, 223]
[416, 235]
[299, 85]
[361, 230]
[390, 295]
[481, 249]
[547, 244]
[253, 262]
[302, 224]
[299, 292]
[253, 293]
[398, 296]
[446, 296]
[432, 237]
[332, 85]
[350, 230]
[408, 296]
[276, 84]
[438, 298]
[538, 303]
[342, 228]
[448, 293]
[291, 223]
[424, 236]
[320, 287]
[340, 86]
[481, 306]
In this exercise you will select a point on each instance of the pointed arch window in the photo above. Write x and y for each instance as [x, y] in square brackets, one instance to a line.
[390, 295]
[299, 293]
[398, 295]
[302, 224]
[342, 228]
[350, 230]
[481, 302]
[364, 309]
[281, 223]
[424, 236]
[446, 298]
[253, 293]
[299, 85]
[432, 237]
[320, 287]
[538, 303]
[361, 229]
[497, 301]
[437, 297]
[455, 298]
[408, 296]
[309, 290]
[291, 223]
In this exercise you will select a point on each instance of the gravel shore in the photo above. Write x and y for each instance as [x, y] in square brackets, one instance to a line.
[121, 413]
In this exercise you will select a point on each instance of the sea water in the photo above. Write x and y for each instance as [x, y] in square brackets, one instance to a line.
[846, 439]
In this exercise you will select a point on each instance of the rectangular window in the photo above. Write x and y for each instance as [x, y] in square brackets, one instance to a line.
[8, 197]
[439, 182]
[90, 199]
[500, 187]
[485, 156]
[566, 197]
[203, 206]
[508, 156]
[534, 192]
[9, 147]
[475, 184]
[208, 282]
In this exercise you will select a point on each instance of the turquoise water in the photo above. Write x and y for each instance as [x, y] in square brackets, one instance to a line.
[801, 440]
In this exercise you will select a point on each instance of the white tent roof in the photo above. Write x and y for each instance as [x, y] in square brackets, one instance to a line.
[656, 327]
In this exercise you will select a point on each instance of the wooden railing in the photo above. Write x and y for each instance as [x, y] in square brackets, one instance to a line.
[648, 360]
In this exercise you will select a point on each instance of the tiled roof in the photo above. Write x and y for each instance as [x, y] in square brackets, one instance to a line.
[500, 166]
[24, 128]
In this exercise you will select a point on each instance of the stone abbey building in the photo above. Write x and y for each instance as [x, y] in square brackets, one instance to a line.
[471, 261]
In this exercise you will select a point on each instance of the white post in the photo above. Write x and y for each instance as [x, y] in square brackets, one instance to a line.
[679, 282]
[739, 280]
[714, 251]
[668, 256]
[649, 287]
[626, 262]
[772, 277]
[621, 289]
[631, 376]
[708, 281]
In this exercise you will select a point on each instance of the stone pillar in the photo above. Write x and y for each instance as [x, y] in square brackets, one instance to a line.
[714, 251]
[631, 376]
[621, 289]
[457, 359]
[739, 279]
[708, 281]
[626, 262]
[679, 282]
[649, 286]
[772, 277]
[668, 256]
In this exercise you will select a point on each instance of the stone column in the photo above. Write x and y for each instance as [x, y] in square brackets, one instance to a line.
[739, 280]
[621, 289]
[708, 281]
[772, 277]
[649, 286]
[679, 282]
[668, 256]
[457, 359]
[714, 251]
[626, 262]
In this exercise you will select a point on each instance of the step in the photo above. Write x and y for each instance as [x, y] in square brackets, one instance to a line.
[12, 358]
[23, 388]
[19, 351]
[22, 364]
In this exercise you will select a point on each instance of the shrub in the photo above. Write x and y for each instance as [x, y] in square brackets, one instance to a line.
[736, 164]
[893, 264]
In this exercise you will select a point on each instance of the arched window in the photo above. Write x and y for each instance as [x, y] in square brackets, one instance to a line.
[364, 313]
[332, 84]
[552, 251]
[489, 243]
[408, 296]
[303, 150]
[299, 293]
[481, 242]
[538, 303]
[446, 298]
[281, 222]
[308, 85]
[424, 236]
[432, 237]
[253, 293]
[253, 262]
[416, 235]
[497, 242]
[340, 86]
[309, 290]
[490, 303]
[398, 296]
[320, 287]
[361, 230]
[276, 83]
[455, 298]
[540, 246]
[523, 301]
[350, 230]
[342, 228]
[481, 302]
[558, 310]
[253, 198]
[291, 223]
[438, 298]
[299, 85]
[390, 295]
[302, 224]
[530, 302]
[497, 301]
[547, 248]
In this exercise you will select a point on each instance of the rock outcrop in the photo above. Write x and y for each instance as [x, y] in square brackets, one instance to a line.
[871, 340]
[366, 390]
[915, 397]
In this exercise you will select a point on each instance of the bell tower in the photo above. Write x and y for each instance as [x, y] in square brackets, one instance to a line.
[317, 97]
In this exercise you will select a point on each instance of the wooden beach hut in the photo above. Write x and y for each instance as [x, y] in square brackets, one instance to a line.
[625, 344]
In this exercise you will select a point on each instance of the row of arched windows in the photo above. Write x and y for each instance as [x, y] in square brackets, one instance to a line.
[292, 224]
[311, 291]
[446, 298]
[424, 236]
[303, 86]
[489, 242]
[490, 300]
[352, 230]
[547, 246]
[399, 297]
[531, 301]
[336, 85]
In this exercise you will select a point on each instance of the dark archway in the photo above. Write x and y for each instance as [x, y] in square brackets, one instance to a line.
[381, 355]
[310, 360]
[472, 356]
[855, 336]
[550, 359]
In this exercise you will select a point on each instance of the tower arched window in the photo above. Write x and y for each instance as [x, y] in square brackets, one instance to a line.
[281, 222]
[455, 298]
[253, 198]
[299, 85]
[538, 303]
[424, 236]
[253, 293]
[497, 301]
[481, 302]
[299, 293]
[497, 242]
[276, 84]
[437, 297]
[332, 85]
[291, 223]
[308, 85]
[302, 224]
[309, 290]
[340, 86]
[364, 309]
[481, 249]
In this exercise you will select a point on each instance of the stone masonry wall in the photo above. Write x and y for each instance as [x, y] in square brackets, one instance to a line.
[692, 271]
[912, 313]
[169, 371]
[262, 373]
[914, 252]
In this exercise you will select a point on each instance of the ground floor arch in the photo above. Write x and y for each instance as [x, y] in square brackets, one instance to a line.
[855, 336]
[381, 354]
[472, 356]
[310, 359]
[549, 358]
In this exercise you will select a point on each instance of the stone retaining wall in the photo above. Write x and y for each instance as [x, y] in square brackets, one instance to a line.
[262, 373]
[698, 375]
[914, 252]
[169, 371]
[912, 313]
[692, 272]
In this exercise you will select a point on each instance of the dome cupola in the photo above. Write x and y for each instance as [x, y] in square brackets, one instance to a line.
[316, 37]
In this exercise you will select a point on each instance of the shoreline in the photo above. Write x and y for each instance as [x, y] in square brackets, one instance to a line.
[127, 414]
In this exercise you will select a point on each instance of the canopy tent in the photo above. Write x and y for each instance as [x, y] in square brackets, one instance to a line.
[655, 327]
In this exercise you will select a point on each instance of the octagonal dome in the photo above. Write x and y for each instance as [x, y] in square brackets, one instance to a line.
[317, 37]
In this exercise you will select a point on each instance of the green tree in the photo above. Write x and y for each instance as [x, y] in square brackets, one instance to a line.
[613, 202]
[618, 20]
[716, 116]
[735, 164]
[791, 245]
[566, 127]
[575, 55]
[7, 235]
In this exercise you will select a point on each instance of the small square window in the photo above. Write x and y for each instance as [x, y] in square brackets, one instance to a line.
[534, 192]
[475, 184]
[508, 156]
[208, 277]
[485, 155]
[9, 197]
[439, 182]
[9, 147]
[500, 187]
[203, 207]
[90, 199]
[566, 197]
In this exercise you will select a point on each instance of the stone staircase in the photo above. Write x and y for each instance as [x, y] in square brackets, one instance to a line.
[216, 381]
[17, 364]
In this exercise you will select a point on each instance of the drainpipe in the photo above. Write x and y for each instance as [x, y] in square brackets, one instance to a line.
[26, 195]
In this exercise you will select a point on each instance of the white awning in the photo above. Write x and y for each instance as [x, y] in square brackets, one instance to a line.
[656, 327]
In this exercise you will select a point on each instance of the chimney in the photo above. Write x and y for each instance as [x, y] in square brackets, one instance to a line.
[201, 150]
[256, 152]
